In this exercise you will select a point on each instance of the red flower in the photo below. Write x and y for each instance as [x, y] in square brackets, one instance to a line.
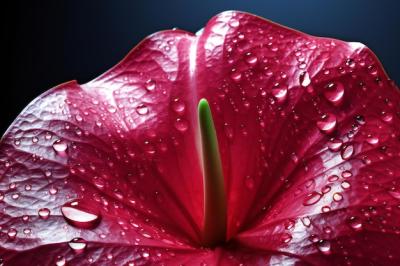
[110, 172]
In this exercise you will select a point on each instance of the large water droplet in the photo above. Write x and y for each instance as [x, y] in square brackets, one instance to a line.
[251, 59]
[78, 245]
[334, 92]
[345, 185]
[60, 146]
[312, 198]
[286, 238]
[327, 124]
[80, 214]
[347, 152]
[304, 79]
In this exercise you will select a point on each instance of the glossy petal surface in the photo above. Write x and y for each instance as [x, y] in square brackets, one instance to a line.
[309, 137]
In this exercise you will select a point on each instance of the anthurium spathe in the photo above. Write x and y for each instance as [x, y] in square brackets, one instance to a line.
[301, 133]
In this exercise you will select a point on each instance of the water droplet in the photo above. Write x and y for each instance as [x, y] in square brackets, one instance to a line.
[335, 144]
[78, 245]
[347, 152]
[12, 233]
[324, 246]
[60, 261]
[236, 75]
[350, 63]
[306, 221]
[286, 238]
[81, 214]
[325, 209]
[44, 213]
[334, 92]
[327, 124]
[372, 140]
[17, 142]
[387, 117]
[326, 189]
[181, 124]
[150, 85]
[337, 197]
[312, 198]
[35, 140]
[251, 59]
[304, 79]
[280, 94]
[394, 192]
[289, 224]
[78, 118]
[111, 109]
[234, 23]
[347, 174]
[360, 119]
[60, 146]
[346, 185]
[178, 106]
[142, 109]
[355, 223]
[53, 190]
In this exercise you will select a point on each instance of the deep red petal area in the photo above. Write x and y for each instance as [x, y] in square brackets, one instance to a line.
[309, 137]
[293, 112]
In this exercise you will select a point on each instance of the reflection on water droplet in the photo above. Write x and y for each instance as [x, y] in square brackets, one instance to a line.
[355, 223]
[327, 124]
[142, 109]
[387, 117]
[312, 198]
[347, 152]
[347, 174]
[12, 233]
[395, 193]
[236, 75]
[60, 146]
[280, 94]
[81, 214]
[334, 92]
[60, 261]
[333, 178]
[304, 79]
[345, 185]
[306, 221]
[324, 246]
[44, 213]
[78, 245]
[251, 59]
[372, 140]
[150, 85]
[234, 23]
[178, 106]
[337, 197]
[286, 238]
[181, 124]
[335, 144]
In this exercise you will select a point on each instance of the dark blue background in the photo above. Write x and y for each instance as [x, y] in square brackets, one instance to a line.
[50, 42]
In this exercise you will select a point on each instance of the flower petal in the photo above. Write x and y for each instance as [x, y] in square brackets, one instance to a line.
[294, 111]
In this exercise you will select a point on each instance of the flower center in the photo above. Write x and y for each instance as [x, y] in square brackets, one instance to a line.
[214, 224]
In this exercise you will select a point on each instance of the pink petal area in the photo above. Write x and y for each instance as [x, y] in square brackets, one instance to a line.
[280, 98]
[123, 145]
[308, 131]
